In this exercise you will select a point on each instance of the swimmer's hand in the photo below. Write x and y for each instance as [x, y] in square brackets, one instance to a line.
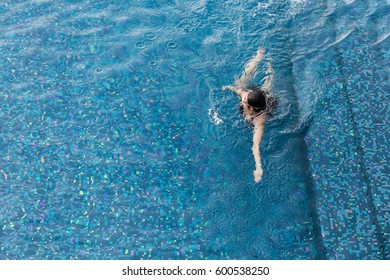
[229, 87]
[258, 173]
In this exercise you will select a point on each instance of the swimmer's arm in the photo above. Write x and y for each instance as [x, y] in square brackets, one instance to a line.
[250, 69]
[238, 91]
[269, 79]
[257, 136]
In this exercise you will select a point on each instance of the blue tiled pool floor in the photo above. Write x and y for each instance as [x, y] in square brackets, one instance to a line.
[116, 141]
[348, 141]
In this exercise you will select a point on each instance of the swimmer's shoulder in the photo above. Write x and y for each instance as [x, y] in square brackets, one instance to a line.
[259, 120]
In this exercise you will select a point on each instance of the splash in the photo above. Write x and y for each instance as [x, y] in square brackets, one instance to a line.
[213, 116]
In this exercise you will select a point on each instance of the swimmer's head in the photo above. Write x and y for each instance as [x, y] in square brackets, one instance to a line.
[256, 98]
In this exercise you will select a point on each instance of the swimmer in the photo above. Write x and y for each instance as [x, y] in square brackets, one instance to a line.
[256, 104]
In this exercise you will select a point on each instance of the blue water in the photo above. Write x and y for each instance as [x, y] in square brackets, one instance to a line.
[117, 142]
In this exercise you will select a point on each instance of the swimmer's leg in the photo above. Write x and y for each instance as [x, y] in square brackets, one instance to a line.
[250, 69]
[257, 136]
[269, 79]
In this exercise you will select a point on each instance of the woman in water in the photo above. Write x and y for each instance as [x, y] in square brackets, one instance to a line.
[256, 104]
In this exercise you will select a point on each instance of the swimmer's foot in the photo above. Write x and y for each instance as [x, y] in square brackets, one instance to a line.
[258, 173]
[269, 68]
[260, 52]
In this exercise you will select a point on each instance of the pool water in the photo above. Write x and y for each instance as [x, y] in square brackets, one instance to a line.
[117, 142]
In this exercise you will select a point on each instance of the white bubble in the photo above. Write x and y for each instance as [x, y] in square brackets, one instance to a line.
[213, 115]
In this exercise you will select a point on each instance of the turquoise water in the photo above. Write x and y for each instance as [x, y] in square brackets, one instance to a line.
[118, 143]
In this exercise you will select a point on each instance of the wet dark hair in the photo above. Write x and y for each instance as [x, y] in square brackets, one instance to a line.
[256, 98]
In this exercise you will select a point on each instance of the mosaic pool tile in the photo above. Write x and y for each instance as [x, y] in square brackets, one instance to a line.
[348, 143]
[108, 149]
